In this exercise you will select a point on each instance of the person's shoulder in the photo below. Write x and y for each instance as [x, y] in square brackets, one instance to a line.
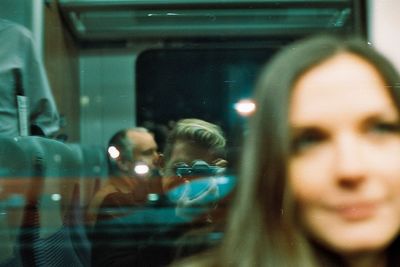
[14, 28]
[97, 201]
[103, 193]
[6, 24]
[15, 38]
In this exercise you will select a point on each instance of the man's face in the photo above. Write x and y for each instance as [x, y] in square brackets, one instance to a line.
[183, 152]
[145, 148]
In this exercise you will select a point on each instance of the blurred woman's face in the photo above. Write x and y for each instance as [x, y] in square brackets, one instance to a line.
[345, 164]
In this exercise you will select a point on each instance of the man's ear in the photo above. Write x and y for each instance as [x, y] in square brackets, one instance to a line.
[161, 161]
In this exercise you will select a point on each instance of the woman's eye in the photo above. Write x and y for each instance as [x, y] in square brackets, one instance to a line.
[385, 128]
[306, 139]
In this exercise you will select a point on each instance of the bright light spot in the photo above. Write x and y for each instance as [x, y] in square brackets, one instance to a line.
[223, 180]
[152, 197]
[113, 152]
[141, 169]
[245, 107]
[56, 197]
[85, 100]
[57, 158]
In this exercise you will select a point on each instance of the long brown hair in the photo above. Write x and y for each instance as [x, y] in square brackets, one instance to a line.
[262, 228]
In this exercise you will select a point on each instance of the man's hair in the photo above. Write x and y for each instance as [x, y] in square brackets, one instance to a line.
[201, 133]
[124, 146]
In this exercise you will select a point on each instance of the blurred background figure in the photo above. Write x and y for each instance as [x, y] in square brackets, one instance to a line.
[190, 140]
[188, 215]
[25, 94]
[195, 180]
[327, 191]
[133, 171]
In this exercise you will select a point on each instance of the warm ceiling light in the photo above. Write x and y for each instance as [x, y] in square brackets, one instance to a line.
[245, 107]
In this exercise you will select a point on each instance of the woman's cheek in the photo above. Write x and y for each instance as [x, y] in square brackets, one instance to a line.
[383, 160]
[310, 173]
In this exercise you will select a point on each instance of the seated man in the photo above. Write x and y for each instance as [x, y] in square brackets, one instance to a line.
[132, 161]
[148, 235]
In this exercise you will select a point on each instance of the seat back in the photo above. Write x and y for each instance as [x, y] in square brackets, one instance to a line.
[45, 239]
[94, 170]
[41, 201]
[16, 171]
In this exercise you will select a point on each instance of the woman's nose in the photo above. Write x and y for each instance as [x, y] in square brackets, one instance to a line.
[349, 161]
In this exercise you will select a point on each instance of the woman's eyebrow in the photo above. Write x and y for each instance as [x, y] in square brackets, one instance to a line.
[384, 115]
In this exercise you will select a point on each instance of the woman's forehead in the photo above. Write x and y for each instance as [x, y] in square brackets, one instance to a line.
[344, 83]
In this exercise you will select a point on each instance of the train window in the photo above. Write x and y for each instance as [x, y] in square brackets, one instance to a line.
[154, 99]
[197, 83]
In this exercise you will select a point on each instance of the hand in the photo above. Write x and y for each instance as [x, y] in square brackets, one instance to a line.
[190, 208]
[220, 163]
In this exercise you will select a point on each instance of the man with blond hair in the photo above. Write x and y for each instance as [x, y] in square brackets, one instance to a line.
[191, 140]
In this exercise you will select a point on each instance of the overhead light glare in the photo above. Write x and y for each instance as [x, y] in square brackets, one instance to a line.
[245, 107]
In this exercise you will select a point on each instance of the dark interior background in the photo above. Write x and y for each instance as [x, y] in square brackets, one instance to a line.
[197, 83]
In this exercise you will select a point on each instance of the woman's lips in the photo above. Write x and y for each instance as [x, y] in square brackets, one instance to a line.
[357, 211]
